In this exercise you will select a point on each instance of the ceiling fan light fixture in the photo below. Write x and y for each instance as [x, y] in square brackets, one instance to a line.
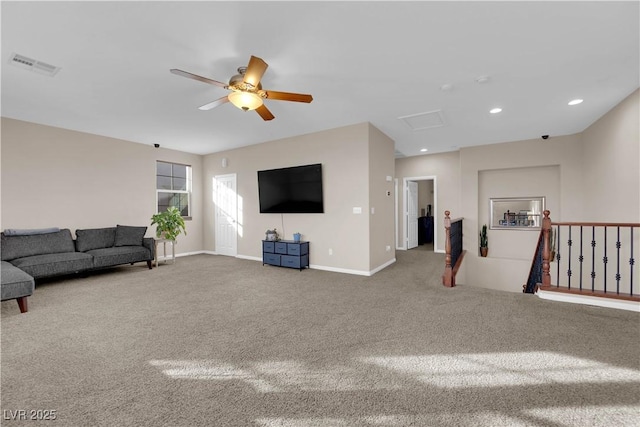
[245, 100]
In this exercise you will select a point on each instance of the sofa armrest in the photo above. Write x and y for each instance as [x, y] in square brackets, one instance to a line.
[149, 243]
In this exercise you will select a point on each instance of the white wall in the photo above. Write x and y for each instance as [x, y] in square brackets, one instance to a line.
[381, 199]
[57, 177]
[345, 155]
[535, 181]
[54, 177]
[612, 164]
[446, 168]
[526, 161]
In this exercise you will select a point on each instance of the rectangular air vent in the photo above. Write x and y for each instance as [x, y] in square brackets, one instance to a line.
[33, 65]
[430, 119]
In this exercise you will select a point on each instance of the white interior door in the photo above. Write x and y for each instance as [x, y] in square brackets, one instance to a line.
[226, 201]
[412, 214]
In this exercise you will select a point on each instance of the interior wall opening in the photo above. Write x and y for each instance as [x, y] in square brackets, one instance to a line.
[420, 212]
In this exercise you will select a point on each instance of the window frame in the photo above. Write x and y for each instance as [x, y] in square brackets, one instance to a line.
[189, 186]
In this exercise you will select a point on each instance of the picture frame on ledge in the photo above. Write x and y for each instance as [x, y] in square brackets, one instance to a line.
[516, 213]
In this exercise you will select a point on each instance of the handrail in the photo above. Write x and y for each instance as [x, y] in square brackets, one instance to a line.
[453, 249]
[583, 251]
[535, 272]
[597, 224]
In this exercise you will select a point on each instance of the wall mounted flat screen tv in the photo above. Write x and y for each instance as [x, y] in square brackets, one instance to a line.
[291, 190]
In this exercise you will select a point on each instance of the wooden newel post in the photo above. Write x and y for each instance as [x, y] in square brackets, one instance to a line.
[546, 249]
[447, 277]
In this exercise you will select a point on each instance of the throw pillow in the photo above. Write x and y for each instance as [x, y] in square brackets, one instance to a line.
[95, 238]
[129, 236]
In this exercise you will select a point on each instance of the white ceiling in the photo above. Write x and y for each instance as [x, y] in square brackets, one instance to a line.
[361, 61]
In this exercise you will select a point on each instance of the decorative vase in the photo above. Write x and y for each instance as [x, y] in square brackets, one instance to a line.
[484, 251]
[296, 237]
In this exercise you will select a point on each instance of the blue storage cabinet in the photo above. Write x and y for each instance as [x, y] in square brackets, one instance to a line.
[286, 253]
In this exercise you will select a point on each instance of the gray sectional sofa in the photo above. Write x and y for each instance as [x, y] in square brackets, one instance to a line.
[33, 254]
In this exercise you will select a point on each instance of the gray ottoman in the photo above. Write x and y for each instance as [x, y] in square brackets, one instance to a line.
[16, 284]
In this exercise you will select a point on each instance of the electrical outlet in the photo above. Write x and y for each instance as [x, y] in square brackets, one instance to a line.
[388, 248]
[330, 251]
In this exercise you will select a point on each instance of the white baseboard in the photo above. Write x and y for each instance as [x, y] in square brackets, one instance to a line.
[382, 267]
[340, 270]
[350, 271]
[250, 258]
[181, 254]
[589, 300]
[313, 266]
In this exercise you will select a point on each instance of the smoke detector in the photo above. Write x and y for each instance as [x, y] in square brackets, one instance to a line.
[33, 65]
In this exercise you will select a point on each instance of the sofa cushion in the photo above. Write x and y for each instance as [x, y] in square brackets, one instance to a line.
[29, 231]
[107, 257]
[15, 282]
[95, 238]
[54, 264]
[14, 247]
[129, 236]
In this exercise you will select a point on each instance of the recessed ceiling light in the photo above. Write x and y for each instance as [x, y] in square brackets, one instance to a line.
[575, 102]
[495, 110]
[424, 150]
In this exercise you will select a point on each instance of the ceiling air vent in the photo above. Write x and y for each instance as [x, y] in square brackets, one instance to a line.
[33, 65]
[430, 119]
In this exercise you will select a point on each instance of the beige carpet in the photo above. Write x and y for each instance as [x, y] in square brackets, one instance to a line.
[218, 341]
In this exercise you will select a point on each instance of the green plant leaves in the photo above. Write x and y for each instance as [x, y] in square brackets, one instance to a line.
[169, 224]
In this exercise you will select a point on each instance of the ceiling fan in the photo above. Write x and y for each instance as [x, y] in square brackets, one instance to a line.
[247, 93]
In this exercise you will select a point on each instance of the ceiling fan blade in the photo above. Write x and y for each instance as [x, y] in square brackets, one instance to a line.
[287, 96]
[264, 113]
[255, 70]
[197, 77]
[214, 104]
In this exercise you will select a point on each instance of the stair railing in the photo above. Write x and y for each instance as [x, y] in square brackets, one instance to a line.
[453, 249]
[583, 253]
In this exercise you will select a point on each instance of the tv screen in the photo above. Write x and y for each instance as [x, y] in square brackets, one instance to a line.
[291, 190]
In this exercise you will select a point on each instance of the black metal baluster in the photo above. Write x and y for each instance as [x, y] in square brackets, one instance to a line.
[580, 258]
[593, 258]
[558, 257]
[605, 260]
[631, 263]
[569, 243]
[618, 264]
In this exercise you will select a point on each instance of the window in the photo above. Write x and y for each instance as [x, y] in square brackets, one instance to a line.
[173, 187]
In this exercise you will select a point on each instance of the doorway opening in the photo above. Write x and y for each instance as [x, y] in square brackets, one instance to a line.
[420, 213]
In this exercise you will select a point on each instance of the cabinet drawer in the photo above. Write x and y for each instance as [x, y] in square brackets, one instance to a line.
[293, 249]
[272, 259]
[268, 247]
[290, 261]
[281, 248]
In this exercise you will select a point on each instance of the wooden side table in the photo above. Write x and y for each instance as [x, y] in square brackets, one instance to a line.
[164, 245]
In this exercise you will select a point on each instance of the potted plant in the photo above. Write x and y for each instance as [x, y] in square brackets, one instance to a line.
[484, 242]
[169, 224]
